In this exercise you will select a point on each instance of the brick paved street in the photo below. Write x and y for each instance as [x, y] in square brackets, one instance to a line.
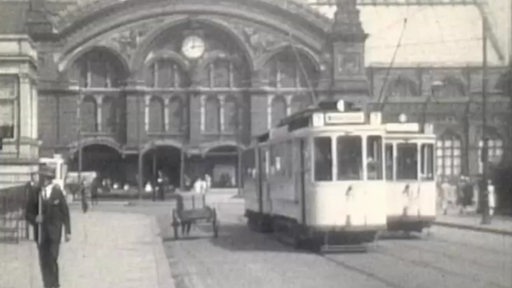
[107, 250]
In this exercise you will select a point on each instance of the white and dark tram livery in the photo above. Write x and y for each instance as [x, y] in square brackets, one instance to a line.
[410, 176]
[319, 178]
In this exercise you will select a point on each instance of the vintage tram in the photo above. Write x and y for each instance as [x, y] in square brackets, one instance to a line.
[317, 178]
[410, 176]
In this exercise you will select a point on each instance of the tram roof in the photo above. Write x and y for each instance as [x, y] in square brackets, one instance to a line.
[301, 118]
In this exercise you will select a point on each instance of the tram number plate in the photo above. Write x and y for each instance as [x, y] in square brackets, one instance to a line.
[344, 118]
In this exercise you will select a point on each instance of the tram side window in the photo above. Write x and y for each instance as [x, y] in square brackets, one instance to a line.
[323, 159]
[350, 158]
[407, 162]
[390, 161]
[427, 161]
[374, 158]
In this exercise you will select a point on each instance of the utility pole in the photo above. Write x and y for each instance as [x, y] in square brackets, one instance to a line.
[139, 148]
[486, 219]
[79, 135]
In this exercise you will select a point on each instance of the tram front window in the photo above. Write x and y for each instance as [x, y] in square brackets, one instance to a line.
[389, 162]
[350, 154]
[407, 162]
[427, 161]
[374, 158]
[323, 159]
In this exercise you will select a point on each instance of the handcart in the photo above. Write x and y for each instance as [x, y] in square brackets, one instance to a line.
[191, 208]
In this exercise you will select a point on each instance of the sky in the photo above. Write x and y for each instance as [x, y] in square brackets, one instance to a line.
[444, 35]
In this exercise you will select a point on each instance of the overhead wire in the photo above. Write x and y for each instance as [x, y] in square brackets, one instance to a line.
[303, 70]
[386, 78]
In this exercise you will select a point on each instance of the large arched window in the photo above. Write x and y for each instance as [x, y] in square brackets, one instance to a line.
[449, 155]
[494, 148]
[212, 114]
[221, 73]
[98, 69]
[108, 115]
[89, 114]
[452, 88]
[289, 69]
[176, 114]
[156, 115]
[165, 73]
[402, 88]
[230, 114]
[299, 102]
[278, 110]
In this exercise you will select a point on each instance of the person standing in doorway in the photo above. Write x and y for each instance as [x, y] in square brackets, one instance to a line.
[491, 197]
[49, 214]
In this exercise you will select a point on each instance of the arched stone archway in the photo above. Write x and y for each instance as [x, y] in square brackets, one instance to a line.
[161, 165]
[103, 159]
[221, 163]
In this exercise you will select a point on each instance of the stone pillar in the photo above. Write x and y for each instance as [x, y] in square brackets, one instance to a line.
[18, 104]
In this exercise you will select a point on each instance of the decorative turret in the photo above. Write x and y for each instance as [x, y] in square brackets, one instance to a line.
[347, 43]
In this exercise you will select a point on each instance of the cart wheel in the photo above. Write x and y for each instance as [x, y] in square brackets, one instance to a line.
[215, 224]
[175, 225]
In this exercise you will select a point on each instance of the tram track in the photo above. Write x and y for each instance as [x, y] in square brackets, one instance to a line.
[361, 271]
[437, 268]
[387, 251]
[444, 253]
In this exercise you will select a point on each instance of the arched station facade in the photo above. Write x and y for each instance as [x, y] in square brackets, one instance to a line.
[182, 86]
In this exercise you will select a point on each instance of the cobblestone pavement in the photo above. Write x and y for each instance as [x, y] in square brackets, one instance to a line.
[106, 250]
[440, 257]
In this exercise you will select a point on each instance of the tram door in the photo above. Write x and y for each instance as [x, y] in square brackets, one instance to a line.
[263, 193]
[300, 190]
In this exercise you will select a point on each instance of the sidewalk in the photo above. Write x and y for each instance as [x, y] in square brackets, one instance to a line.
[471, 221]
[106, 250]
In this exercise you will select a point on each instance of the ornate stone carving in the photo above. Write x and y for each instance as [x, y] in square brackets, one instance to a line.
[126, 41]
[259, 40]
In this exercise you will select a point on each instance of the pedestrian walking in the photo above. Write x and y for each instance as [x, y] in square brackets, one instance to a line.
[49, 214]
[95, 185]
[83, 197]
[162, 182]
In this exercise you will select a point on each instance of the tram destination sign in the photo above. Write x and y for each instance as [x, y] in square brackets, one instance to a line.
[345, 118]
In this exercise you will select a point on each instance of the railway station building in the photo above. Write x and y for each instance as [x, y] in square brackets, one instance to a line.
[183, 86]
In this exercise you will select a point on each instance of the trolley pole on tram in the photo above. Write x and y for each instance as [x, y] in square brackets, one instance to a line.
[484, 193]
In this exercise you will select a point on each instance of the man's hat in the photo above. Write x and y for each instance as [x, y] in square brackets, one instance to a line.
[46, 171]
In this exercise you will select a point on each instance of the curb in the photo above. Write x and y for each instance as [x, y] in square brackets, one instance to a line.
[165, 279]
[474, 228]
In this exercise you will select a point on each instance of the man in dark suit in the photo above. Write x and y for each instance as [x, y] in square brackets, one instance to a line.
[48, 212]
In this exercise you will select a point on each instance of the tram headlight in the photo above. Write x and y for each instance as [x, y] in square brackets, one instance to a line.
[340, 105]
[318, 119]
[402, 118]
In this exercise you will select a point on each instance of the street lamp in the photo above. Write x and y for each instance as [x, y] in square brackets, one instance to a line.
[486, 219]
